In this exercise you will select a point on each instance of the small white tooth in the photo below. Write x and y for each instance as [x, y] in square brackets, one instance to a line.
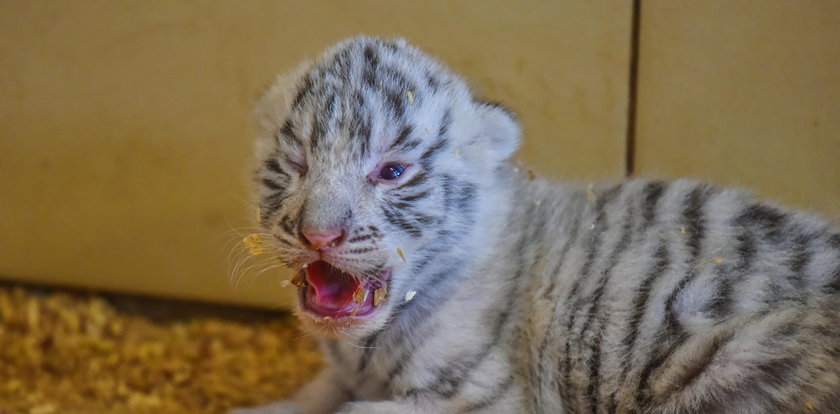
[360, 295]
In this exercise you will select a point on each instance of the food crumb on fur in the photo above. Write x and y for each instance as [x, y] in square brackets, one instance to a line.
[590, 195]
[410, 97]
[298, 280]
[255, 245]
[410, 295]
[379, 295]
[400, 252]
[718, 260]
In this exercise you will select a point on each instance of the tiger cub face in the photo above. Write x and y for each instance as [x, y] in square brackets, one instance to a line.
[374, 163]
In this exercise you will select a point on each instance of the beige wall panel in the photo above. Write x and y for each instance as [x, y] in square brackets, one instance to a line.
[125, 133]
[745, 93]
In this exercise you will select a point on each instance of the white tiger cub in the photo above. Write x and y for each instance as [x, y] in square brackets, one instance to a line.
[440, 279]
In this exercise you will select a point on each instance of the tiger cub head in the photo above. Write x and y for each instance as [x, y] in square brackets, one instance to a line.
[377, 169]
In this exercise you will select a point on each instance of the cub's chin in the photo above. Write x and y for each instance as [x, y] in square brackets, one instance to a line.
[337, 304]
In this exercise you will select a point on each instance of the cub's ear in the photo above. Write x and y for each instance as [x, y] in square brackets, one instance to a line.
[498, 130]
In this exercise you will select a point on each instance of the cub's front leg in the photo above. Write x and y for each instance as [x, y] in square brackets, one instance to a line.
[402, 406]
[430, 404]
[323, 395]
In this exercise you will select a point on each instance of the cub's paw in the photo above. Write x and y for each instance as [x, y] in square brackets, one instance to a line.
[280, 407]
[379, 407]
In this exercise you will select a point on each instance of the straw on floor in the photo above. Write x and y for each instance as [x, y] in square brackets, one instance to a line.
[77, 352]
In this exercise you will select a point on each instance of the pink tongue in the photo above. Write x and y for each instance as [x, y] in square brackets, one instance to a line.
[333, 288]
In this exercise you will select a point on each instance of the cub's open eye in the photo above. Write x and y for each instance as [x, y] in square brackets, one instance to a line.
[391, 171]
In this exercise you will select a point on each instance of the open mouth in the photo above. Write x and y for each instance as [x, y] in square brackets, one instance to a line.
[330, 292]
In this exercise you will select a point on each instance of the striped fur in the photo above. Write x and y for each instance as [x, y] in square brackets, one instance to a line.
[533, 296]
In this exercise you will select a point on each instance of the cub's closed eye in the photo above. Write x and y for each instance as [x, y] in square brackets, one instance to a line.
[391, 171]
[299, 165]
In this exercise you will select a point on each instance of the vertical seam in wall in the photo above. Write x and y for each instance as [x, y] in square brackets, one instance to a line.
[632, 93]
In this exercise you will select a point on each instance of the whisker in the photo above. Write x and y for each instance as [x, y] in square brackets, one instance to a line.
[242, 231]
[237, 274]
[275, 266]
[251, 268]
[357, 346]
[263, 262]
[248, 203]
[235, 252]
[304, 335]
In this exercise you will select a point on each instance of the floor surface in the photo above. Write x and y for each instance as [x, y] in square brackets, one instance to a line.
[78, 352]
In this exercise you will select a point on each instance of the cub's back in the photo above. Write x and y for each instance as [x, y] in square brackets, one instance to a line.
[678, 296]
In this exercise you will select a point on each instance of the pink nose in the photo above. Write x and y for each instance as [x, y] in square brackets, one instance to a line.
[323, 240]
